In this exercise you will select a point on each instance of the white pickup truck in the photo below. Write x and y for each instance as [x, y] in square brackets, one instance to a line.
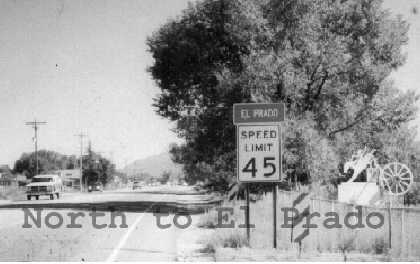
[47, 184]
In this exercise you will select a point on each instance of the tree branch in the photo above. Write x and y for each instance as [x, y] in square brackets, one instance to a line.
[344, 128]
[357, 120]
[309, 86]
[323, 80]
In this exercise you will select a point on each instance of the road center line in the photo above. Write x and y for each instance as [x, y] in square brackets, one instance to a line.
[123, 240]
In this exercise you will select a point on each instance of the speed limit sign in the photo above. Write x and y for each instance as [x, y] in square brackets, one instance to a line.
[259, 154]
[259, 141]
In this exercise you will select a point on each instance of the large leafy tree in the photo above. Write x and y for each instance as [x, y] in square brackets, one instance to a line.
[328, 60]
[97, 169]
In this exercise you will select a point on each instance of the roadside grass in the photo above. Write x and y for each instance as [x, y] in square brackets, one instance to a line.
[208, 220]
[224, 237]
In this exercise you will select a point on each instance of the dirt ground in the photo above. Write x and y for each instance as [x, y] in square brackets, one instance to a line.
[247, 254]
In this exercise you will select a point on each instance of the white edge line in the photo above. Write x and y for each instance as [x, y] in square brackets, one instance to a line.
[123, 240]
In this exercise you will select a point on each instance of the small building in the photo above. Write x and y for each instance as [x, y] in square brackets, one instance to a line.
[7, 179]
[6, 182]
[71, 178]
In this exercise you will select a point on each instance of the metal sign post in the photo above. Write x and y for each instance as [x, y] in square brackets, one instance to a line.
[259, 149]
[274, 215]
[247, 221]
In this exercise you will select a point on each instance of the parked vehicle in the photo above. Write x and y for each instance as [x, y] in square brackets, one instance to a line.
[137, 185]
[47, 184]
[97, 186]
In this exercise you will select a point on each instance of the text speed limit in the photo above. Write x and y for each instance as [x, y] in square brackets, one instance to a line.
[259, 153]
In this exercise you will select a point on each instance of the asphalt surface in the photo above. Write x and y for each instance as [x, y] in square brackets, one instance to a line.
[152, 199]
[43, 237]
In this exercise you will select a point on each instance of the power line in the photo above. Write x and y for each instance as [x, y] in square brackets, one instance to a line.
[35, 125]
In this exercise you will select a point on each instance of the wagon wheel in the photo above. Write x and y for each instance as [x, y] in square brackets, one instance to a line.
[396, 178]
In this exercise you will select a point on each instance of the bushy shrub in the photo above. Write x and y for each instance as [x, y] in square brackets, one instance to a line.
[208, 220]
[379, 246]
[227, 238]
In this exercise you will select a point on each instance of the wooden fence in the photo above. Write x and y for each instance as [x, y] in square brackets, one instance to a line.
[399, 234]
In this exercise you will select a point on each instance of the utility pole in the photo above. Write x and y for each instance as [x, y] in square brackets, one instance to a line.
[35, 125]
[81, 136]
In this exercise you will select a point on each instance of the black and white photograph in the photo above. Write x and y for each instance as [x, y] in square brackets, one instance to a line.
[209, 131]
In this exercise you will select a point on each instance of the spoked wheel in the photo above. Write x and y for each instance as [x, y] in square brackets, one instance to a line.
[396, 178]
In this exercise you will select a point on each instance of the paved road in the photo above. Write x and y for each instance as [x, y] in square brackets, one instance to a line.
[140, 240]
[127, 196]
[126, 200]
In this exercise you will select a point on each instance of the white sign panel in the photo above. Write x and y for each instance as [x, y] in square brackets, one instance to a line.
[259, 158]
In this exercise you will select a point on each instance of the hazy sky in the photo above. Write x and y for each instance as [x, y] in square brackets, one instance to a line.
[81, 66]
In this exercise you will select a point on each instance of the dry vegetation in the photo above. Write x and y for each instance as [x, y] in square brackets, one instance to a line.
[11, 193]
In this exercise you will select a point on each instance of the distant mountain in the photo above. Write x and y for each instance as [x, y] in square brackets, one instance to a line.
[154, 166]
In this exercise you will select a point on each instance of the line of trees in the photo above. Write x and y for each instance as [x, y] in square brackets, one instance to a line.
[47, 161]
[95, 167]
[329, 61]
